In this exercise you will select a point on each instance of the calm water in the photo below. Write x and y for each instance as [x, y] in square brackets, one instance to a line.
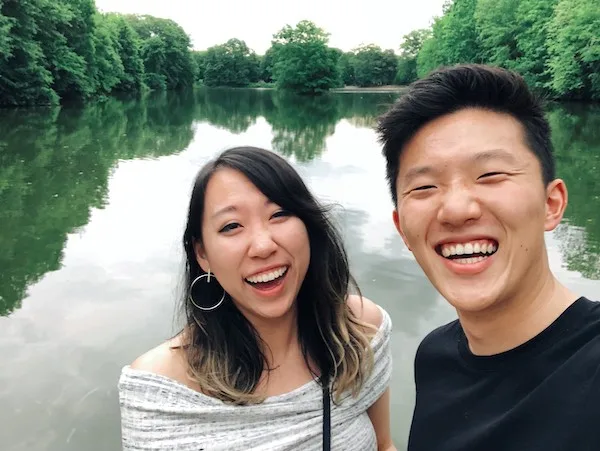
[92, 209]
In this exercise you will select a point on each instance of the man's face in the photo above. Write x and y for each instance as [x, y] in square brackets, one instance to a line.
[473, 209]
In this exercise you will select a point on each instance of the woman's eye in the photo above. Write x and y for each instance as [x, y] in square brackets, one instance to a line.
[229, 227]
[281, 213]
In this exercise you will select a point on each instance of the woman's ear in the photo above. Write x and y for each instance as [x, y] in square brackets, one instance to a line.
[201, 256]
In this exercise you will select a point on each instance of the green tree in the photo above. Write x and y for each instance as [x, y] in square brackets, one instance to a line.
[574, 48]
[81, 37]
[303, 62]
[70, 76]
[430, 56]
[346, 68]
[374, 66]
[23, 78]
[496, 26]
[200, 60]
[266, 66]
[6, 23]
[166, 53]
[154, 55]
[454, 38]
[461, 39]
[413, 42]
[110, 69]
[254, 67]
[409, 50]
[128, 46]
[231, 64]
[532, 20]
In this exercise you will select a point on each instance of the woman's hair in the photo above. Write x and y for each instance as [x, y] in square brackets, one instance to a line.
[224, 352]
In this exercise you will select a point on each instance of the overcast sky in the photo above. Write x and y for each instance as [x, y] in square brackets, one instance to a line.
[350, 24]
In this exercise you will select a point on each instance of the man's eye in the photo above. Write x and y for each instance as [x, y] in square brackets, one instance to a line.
[491, 174]
[424, 187]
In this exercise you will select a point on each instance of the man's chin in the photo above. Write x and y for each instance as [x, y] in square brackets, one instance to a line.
[469, 300]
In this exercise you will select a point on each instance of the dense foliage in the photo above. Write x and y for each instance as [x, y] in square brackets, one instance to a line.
[302, 60]
[53, 50]
[555, 44]
[63, 50]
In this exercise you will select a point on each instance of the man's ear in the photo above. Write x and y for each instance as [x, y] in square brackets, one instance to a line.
[396, 219]
[201, 256]
[556, 203]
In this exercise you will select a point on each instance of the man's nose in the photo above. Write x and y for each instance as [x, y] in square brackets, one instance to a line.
[458, 206]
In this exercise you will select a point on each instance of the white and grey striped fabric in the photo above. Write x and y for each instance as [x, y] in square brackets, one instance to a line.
[158, 413]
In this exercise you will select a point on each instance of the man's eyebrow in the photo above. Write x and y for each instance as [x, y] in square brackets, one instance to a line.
[417, 171]
[494, 154]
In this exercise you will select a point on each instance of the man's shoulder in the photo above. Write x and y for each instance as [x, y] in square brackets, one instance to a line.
[592, 305]
[440, 337]
[582, 317]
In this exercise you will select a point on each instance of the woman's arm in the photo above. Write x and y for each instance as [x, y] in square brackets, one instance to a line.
[379, 413]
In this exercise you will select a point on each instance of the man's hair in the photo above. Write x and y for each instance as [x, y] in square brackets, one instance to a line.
[451, 89]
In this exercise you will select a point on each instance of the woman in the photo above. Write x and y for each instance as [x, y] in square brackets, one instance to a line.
[276, 353]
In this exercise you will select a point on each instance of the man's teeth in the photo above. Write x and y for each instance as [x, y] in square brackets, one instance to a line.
[267, 276]
[473, 247]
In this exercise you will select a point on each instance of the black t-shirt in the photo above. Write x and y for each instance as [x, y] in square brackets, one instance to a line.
[542, 395]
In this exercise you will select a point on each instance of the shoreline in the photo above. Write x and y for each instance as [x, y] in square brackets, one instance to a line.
[366, 89]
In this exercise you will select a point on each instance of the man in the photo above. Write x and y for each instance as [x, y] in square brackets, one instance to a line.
[471, 173]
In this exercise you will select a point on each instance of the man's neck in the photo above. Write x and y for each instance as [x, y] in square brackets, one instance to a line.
[517, 320]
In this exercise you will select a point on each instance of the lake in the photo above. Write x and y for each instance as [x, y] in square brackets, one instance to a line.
[93, 204]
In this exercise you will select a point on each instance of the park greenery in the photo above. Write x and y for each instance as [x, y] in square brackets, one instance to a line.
[55, 51]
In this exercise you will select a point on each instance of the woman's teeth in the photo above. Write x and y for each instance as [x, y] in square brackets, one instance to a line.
[267, 276]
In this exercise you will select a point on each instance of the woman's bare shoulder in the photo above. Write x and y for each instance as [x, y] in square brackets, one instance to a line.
[167, 359]
[365, 310]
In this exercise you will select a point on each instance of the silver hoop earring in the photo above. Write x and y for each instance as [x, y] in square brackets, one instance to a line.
[191, 298]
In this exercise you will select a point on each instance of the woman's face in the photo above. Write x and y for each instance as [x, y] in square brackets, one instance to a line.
[258, 252]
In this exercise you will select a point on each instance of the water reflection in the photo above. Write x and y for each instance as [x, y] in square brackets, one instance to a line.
[300, 125]
[232, 109]
[391, 278]
[54, 167]
[55, 163]
[576, 131]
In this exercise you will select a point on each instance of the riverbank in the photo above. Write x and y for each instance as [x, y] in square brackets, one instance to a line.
[387, 88]
[365, 89]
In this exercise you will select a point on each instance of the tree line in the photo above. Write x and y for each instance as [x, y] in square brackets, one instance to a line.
[554, 44]
[63, 50]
